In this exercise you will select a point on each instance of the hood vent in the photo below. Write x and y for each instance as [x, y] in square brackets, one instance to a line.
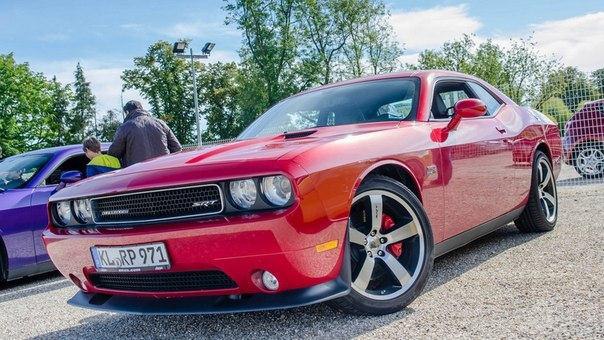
[298, 134]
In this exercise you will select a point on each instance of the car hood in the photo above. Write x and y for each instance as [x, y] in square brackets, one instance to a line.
[213, 163]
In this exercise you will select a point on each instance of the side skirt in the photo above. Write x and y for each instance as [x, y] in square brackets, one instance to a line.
[468, 236]
[35, 269]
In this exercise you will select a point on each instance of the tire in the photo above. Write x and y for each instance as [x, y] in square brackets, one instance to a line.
[3, 266]
[397, 247]
[589, 160]
[541, 211]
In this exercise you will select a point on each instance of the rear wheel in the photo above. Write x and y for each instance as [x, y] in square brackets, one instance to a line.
[589, 160]
[541, 211]
[390, 248]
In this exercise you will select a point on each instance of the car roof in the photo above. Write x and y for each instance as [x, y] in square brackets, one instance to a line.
[423, 74]
[62, 149]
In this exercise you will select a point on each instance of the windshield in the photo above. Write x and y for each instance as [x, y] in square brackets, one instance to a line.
[371, 101]
[17, 170]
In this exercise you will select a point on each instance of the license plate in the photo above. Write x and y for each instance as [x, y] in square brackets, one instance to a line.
[152, 256]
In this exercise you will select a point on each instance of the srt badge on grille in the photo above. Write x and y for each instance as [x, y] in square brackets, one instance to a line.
[115, 212]
[204, 204]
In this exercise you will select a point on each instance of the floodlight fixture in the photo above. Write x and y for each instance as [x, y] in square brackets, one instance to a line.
[208, 47]
[179, 47]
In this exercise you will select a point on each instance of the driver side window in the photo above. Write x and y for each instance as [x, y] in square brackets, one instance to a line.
[446, 94]
[78, 163]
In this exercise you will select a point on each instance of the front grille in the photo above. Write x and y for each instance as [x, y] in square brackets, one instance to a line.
[158, 205]
[163, 282]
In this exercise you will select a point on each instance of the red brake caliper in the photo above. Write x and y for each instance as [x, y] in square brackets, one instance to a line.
[395, 249]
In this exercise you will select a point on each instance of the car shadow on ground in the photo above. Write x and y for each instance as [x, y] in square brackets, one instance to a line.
[299, 322]
[32, 285]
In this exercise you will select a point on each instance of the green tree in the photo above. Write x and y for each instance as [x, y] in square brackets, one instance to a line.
[519, 71]
[83, 119]
[108, 125]
[345, 37]
[371, 47]
[269, 43]
[59, 116]
[555, 108]
[323, 38]
[165, 81]
[253, 97]
[219, 94]
[456, 55]
[24, 105]
[571, 85]
[382, 50]
[597, 78]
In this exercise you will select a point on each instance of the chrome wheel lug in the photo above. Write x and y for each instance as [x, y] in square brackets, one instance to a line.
[381, 253]
[369, 254]
[383, 240]
[373, 232]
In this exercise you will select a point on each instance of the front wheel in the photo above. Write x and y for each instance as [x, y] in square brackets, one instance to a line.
[391, 248]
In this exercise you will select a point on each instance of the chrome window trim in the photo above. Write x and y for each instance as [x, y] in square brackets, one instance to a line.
[161, 219]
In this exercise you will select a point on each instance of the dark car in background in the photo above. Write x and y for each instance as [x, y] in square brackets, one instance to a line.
[584, 140]
[26, 182]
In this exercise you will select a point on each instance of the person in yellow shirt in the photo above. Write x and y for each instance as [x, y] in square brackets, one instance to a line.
[99, 163]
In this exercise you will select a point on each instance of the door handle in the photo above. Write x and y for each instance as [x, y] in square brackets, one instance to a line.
[500, 130]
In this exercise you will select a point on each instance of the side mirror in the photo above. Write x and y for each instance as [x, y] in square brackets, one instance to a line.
[465, 108]
[69, 177]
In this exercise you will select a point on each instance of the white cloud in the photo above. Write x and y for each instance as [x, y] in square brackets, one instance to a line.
[190, 30]
[577, 41]
[430, 28]
[409, 58]
[104, 78]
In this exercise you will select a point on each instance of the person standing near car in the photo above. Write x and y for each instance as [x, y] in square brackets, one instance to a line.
[99, 163]
[142, 137]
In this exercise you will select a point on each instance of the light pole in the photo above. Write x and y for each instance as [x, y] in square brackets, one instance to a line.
[122, 103]
[178, 50]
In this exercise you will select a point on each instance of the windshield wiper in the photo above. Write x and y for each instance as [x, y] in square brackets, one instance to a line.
[298, 134]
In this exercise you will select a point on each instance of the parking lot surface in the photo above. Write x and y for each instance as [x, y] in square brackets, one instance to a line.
[504, 285]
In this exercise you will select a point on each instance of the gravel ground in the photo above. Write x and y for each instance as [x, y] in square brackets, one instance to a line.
[505, 285]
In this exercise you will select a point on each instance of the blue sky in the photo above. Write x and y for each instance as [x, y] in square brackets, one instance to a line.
[105, 35]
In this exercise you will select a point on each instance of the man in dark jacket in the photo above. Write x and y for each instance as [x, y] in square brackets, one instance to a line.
[141, 137]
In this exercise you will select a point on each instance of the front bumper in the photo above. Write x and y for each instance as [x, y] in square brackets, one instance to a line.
[282, 242]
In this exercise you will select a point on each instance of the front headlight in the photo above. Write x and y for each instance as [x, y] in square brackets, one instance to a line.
[277, 189]
[243, 193]
[83, 210]
[64, 212]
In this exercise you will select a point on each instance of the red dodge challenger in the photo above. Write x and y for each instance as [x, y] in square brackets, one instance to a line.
[344, 193]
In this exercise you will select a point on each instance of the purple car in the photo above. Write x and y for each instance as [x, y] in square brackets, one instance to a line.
[26, 182]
